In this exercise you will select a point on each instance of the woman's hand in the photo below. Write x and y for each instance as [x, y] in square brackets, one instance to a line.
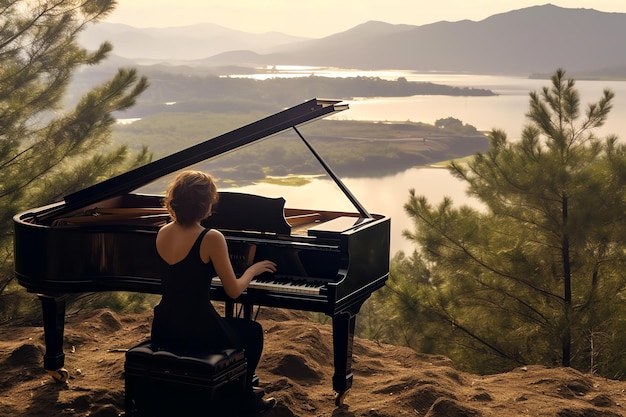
[261, 267]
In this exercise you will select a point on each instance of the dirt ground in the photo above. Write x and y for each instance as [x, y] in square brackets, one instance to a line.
[296, 369]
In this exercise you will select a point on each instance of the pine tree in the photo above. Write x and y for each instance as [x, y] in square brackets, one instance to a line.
[536, 277]
[46, 149]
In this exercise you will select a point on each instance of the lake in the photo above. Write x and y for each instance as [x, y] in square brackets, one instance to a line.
[384, 195]
[387, 195]
[505, 111]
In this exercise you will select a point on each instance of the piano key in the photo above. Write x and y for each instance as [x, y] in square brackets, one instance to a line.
[299, 286]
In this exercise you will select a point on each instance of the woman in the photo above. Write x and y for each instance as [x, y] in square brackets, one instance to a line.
[190, 255]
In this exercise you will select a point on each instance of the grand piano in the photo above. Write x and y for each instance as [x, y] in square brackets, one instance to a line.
[101, 238]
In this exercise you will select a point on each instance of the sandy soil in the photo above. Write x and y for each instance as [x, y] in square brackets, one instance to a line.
[296, 369]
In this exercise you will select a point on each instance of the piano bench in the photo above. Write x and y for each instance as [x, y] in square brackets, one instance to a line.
[184, 383]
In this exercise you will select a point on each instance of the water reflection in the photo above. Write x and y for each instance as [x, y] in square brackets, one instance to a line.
[385, 195]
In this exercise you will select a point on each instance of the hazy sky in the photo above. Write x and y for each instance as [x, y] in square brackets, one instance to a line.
[319, 18]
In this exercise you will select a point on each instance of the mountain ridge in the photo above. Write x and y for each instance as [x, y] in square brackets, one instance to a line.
[537, 39]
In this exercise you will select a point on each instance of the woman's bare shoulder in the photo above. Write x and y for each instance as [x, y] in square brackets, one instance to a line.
[214, 233]
[164, 231]
[213, 245]
[212, 237]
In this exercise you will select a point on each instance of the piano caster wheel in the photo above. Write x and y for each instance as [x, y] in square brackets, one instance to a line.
[340, 397]
[60, 375]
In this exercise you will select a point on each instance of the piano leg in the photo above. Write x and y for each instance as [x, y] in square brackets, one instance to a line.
[229, 310]
[343, 340]
[53, 326]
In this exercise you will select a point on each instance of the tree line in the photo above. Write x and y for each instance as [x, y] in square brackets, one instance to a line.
[173, 92]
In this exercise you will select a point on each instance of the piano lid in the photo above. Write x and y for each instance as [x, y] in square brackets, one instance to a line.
[124, 183]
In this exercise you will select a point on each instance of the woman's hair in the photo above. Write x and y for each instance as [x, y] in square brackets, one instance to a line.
[190, 197]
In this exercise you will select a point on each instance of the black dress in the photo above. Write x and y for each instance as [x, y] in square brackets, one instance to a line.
[186, 319]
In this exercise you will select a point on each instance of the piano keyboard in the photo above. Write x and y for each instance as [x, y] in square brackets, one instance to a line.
[288, 285]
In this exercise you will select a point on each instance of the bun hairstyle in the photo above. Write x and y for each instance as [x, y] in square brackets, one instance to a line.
[190, 197]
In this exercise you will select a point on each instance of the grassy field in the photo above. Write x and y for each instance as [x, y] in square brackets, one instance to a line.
[351, 148]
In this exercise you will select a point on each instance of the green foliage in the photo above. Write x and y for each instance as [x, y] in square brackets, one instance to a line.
[455, 125]
[536, 277]
[47, 150]
[119, 301]
[385, 315]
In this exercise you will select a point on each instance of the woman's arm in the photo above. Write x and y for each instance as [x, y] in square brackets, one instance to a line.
[214, 244]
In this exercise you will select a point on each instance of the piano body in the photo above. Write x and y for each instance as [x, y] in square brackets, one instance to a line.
[102, 238]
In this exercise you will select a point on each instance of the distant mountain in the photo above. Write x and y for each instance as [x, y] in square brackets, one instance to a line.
[536, 39]
[179, 43]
